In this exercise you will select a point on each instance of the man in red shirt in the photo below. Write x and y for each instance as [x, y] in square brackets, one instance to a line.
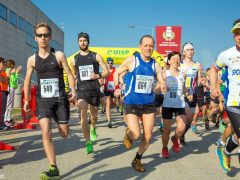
[109, 89]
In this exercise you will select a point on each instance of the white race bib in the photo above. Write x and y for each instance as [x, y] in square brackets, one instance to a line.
[110, 86]
[49, 87]
[144, 84]
[85, 71]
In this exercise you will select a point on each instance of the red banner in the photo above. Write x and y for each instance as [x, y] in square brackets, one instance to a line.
[168, 39]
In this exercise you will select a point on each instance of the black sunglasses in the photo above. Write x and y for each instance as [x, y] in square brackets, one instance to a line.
[109, 62]
[43, 35]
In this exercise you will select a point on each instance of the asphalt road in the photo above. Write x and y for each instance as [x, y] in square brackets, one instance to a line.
[110, 160]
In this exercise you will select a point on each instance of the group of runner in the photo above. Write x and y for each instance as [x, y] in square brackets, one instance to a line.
[180, 88]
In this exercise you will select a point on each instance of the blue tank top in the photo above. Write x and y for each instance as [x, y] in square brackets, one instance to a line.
[139, 88]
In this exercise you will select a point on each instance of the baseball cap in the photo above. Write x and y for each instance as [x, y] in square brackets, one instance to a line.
[235, 27]
[85, 35]
[109, 59]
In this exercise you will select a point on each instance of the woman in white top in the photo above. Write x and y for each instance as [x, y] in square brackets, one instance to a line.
[173, 103]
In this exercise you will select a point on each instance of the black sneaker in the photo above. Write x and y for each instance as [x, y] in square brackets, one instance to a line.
[182, 141]
[207, 124]
[51, 174]
[109, 124]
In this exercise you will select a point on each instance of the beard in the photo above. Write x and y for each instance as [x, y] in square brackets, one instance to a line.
[84, 48]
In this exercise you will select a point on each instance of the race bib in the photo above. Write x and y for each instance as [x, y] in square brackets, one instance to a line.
[144, 84]
[110, 86]
[188, 82]
[49, 87]
[85, 71]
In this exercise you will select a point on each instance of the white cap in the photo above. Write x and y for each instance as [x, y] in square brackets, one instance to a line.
[188, 46]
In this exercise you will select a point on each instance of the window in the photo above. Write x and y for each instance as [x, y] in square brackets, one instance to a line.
[29, 28]
[21, 23]
[29, 39]
[13, 18]
[3, 12]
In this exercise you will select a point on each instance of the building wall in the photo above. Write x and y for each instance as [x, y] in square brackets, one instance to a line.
[18, 44]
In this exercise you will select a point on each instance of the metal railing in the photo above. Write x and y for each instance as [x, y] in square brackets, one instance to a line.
[22, 77]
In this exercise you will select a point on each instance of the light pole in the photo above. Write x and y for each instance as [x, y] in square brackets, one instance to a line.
[143, 27]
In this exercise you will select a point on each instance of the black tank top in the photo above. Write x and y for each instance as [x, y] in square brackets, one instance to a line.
[82, 65]
[49, 77]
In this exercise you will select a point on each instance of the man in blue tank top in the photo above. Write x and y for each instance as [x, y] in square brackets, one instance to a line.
[139, 96]
[52, 102]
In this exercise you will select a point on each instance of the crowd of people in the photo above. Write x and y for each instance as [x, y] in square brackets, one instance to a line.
[180, 92]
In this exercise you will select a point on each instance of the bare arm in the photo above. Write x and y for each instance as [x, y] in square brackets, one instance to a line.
[215, 92]
[200, 70]
[123, 69]
[105, 71]
[27, 82]
[63, 61]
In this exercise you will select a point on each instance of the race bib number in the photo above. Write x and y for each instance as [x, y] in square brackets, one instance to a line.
[173, 94]
[144, 84]
[85, 71]
[110, 86]
[49, 87]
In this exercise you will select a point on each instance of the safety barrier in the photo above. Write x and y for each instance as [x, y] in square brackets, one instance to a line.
[28, 123]
[3, 146]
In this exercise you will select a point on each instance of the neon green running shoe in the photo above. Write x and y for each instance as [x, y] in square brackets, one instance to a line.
[225, 159]
[93, 134]
[51, 174]
[89, 147]
[222, 127]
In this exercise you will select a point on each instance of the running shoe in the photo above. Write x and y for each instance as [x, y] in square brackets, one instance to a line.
[93, 134]
[137, 165]
[225, 160]
[206, 124]
[182, 141]
[194, 128]
[109, 124]
[121, 109]
[126, 141]
[89, 147]
[51, 174]
[117, 109]
[239, 157]
[176, 147]
[165, 153]
[222, 127]
[161, 127]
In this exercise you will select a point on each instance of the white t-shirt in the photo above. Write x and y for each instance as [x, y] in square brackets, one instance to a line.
[230, 59]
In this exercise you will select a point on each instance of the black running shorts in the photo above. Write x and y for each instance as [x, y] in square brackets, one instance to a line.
[56, 108]
[91, 97]
[139, 109]
[167, 112]
[234, 117]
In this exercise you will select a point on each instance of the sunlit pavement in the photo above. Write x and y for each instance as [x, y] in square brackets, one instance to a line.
[110, 160]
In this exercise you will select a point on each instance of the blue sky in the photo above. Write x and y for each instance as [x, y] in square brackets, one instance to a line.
[205, 23]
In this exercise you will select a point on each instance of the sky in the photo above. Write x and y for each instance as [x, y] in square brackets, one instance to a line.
[205, 23]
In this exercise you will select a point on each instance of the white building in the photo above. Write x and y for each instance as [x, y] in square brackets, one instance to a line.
[17, 21]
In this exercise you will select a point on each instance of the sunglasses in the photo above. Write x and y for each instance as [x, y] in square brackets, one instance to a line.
[109, 62]
[43, 35]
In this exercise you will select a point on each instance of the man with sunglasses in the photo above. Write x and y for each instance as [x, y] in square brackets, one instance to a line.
[85, 67]
[4, 81]
[109, 89]
[52, 102]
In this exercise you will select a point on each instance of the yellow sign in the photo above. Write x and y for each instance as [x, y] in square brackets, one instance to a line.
[119, 54]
